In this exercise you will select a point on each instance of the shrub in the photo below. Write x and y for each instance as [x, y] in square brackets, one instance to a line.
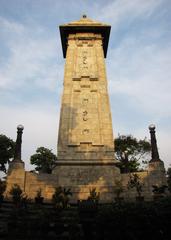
[16, 193]
[94, 195]
[134, 182]
[159, 190]
[39, 198]
[61, 197]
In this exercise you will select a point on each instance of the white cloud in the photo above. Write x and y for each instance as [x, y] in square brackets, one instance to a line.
[11, 27]
[124, 10]
[142, 72]
[32, 57]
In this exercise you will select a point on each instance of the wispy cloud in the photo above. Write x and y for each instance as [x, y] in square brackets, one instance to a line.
[11, 27]
[31, 59]
[115, 12]
[142, 72]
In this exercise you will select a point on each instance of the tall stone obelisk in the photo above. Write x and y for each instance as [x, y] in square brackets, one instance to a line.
[85, 140]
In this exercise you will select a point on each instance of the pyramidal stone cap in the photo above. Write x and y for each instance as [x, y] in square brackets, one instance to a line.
[84, 25]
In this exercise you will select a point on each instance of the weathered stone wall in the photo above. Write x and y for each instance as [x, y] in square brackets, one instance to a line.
[82, 179]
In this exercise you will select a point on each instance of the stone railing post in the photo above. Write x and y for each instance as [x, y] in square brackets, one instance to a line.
[17, 153]
[154, 149]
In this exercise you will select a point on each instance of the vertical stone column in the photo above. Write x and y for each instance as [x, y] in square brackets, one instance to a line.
[17, 162]
[17, 154]
[154, 148]
[16, 171]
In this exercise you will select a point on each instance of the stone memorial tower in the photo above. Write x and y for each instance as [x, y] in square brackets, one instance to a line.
[85, 140]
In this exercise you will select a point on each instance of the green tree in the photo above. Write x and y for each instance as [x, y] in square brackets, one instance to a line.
[44, 160]
[131, 152]
[7, 146]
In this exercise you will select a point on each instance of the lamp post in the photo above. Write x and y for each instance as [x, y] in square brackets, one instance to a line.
[154, 149]
[17, 153]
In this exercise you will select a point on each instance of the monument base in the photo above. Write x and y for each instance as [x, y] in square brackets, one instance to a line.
[15, 175]
[81, 177]
[84, 176]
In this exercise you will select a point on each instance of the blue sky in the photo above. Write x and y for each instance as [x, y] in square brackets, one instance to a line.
[138, 67]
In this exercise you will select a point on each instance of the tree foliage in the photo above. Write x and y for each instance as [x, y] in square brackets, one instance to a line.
[2, 187]
[7, 146]
[135, 182]
[44, 160]
[130, 152]
[159, 189]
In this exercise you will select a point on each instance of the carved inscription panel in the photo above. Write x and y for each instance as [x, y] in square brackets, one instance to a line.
[85, 120]
[86, 63]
